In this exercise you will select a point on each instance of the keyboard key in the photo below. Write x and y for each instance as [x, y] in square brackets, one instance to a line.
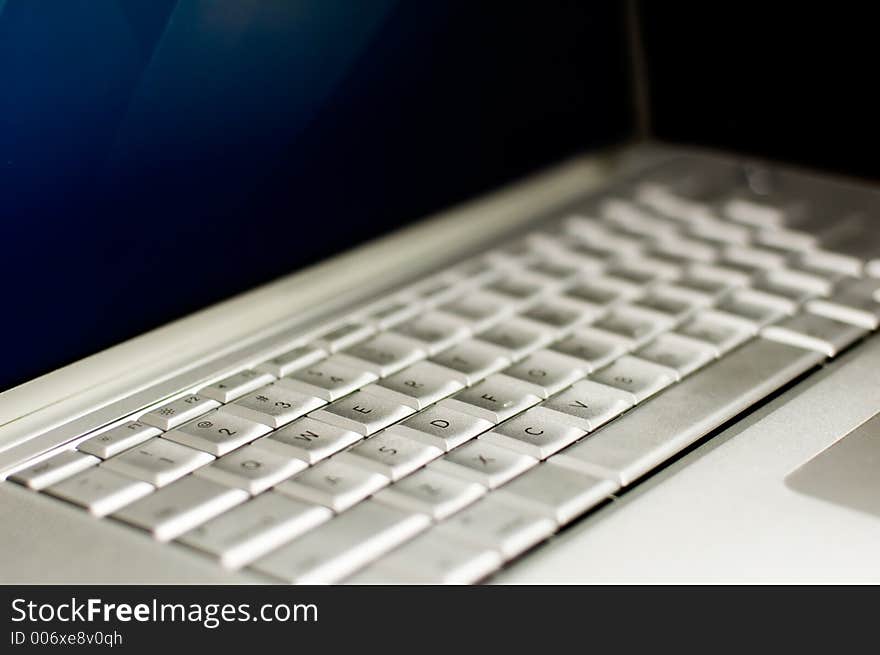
[637, 376]
[394, 312]
[383, 354]
[683, 354]
[832, 262]
[751, 258]
[417, 386]
[435, 331]
[181, 506]
[115, 440]
[559, 314]
[819, 333]
[556, 492]
[344, 544]
[218, 432]
[236, 385]
[853, 301]
[363, 413]
[441, 427]
[308, 439]
[100, 490]
[635, 324]
[756, 306]
[432, 559]
[472, 360]
[721, 330]
[587, 405]
[292, 360]
[274, 405]
[643, 271]
[603, 292]
[548, 372]
[517, 337]
[518, 289]
[179, 411]
[343, 336]
[255, 528]
[535, 434]
[329, 379]
[673, 301]
[631, 446]
[593, 348]
[495, 399]
[493, 523]
[334, 484]
[252, 469]
[431, 492]
[54, 469]
[484, 462]
[391, 454]
[158, 461]
[480, 309]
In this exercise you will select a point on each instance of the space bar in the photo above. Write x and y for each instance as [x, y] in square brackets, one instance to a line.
[652, 433]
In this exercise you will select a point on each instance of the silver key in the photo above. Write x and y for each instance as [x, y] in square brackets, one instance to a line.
[493, 523]
[721, 330]
[436, 331]
[518, 289]
[54, 469]
[671, 300]
[244, 533]
[814, 332]
[588, 405]
[115, 440]
[179, 411]
[556, 492]
[274, 405]
[383, 354]
[394, 312]
[343, 336]
[181, 506]
[472, 360]
[794, 285]
[639, 377]
[236, 385]
[683, 354]
[535, 434]
[495, 399]
[417, 386]
[560, 314]
[756, 306]
[517, 337]
[484, 462]
[329, 379]
[833, 262]
[308, 439]
[639, 441]
[635, 324]
[218, 432]
[431, 492]
[441, 427]
[548, 372]
[644, 270]
[854, 301]
[158, 461]
[344, 544]
[603, 292]
[593, 348]
[252, 469]
[432, 559]
[100, 490]
[292, 360]
[751, 258]
[390, 454]
[479, 309]
[334, 484]
[363, 413]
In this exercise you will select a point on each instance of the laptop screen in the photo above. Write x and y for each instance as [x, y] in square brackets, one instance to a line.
[160, 156]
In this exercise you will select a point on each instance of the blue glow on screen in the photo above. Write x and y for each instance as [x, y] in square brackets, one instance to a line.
[157, 156]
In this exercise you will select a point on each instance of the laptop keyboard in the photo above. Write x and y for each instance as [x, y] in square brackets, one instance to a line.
[444, 432]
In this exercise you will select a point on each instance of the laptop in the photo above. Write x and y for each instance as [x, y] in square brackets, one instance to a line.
[403, 293]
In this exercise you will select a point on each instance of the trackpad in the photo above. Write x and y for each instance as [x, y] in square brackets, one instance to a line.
[847, 473]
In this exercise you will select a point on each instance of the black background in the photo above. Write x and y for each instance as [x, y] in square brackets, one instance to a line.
[789, 81]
